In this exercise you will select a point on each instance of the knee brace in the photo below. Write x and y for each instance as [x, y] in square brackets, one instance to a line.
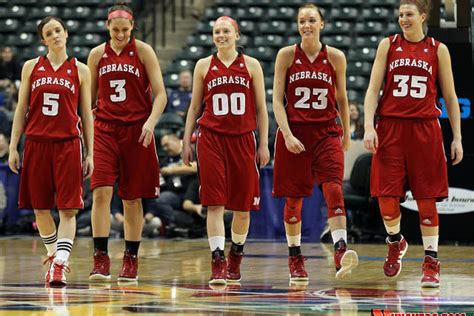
[389, 207]
[292, 211]
[333, 195]
[428, 212]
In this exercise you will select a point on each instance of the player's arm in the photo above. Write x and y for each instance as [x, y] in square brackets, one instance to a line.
[263, 154]
[93, 63]
[446, 82]
[86, 118]
[194, 107]
[153, 70]
[19, 118]
[282, 63]
[372, 95]
[338, 61]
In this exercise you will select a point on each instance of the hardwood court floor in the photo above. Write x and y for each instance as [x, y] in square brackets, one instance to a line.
[173, 279]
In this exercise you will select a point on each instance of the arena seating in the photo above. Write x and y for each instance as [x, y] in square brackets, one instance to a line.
[84, 19]
[354, 26]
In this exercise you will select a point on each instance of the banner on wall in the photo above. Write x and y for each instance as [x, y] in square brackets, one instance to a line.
[459, 201]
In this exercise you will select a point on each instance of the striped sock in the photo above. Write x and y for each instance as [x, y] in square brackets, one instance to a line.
[64, 250]
[50, 242]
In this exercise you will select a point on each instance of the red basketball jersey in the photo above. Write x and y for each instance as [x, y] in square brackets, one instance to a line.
[410, 80]
[229, 101]
[124, 94]
[54, 98]
[310, 92]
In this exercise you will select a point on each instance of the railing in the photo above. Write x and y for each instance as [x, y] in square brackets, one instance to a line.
[150, 10]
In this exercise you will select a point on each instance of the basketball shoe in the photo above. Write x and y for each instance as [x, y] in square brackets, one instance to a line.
[431, 267]
[393, 262]
[101, 269]
[345, 260]
[233, 266]
[297, 270]
[219, 270]
[129, 268]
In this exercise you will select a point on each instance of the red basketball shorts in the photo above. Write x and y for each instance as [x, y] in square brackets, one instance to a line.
[228, 172]
[119, 157]
[410, 156]
[322, 161]
[49, 169]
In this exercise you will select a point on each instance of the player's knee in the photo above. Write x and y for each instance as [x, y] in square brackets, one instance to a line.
[428, 212]
[333, 195]
[292, 211]
[389, 207]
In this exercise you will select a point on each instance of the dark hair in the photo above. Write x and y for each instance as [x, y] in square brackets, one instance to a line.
[120, 6]
[423, 6]
[47, 20]
[311, 6]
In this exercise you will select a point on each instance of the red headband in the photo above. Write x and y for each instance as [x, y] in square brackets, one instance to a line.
[231, 20]
[120, 14]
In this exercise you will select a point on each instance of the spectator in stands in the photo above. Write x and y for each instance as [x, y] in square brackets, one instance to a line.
[124, 145]
[357, 121]
[179, 98]
[52, 173]
[231, 86]
[408, 142]
[308, 146]
[10, 70]
[3, 148]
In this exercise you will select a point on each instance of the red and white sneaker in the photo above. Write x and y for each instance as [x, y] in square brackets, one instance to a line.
[129, 271]
[49, 262]
[233, 267]
[297, 270]
[58, 274]
[219, 270]
[345, 260]
[431, 267]
[101, 269]
[393, 263]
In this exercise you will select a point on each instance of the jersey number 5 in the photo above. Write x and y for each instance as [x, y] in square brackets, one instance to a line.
[321, 94]
[50, 104]
[120, 92]
[220, 103]
[417, 86]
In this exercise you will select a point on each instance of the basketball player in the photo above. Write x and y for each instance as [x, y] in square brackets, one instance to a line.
[311, 77]
[53, 88]
[231, 86]
[407, 142]
[124, 72]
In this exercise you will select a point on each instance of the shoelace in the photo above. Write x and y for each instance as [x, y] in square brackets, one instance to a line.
[431, 268]
[63, 267]
[299, 262]
[48, 260]
[393, 253]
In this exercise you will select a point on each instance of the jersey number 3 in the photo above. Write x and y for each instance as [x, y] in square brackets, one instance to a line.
[120, 92]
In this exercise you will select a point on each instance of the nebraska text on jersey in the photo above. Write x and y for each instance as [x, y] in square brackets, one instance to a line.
[228, 80]
[317, 75]
[50, 80]
[408, 62]
[119, 67]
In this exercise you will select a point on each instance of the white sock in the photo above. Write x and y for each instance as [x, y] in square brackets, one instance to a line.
[339, 234]
[294, 241]
[50, 242]
[392, 230]
[216, 242]
[239, 239]
[430, 243]
[64, 250]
